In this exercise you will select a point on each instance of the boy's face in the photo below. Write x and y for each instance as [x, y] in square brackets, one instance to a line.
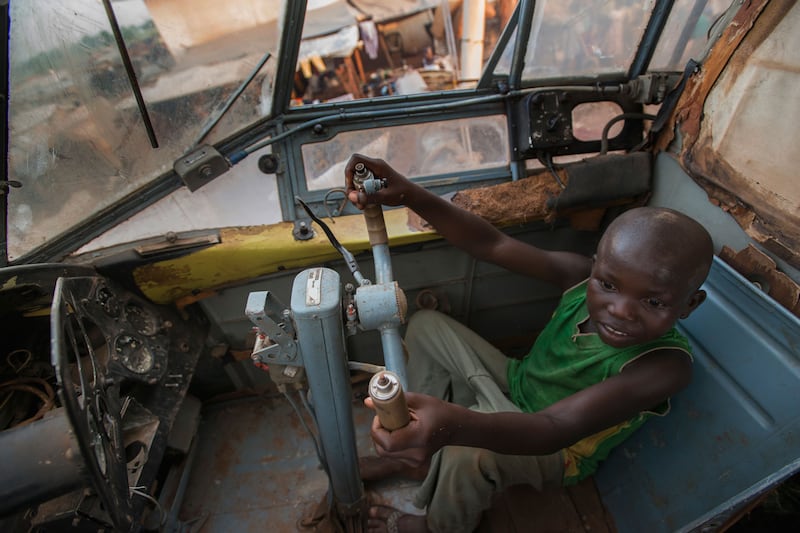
[632, 300]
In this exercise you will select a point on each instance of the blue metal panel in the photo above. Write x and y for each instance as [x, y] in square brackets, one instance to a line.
[317, 311]
[734, 433]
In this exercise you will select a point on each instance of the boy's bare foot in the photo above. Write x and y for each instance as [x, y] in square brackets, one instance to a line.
[373, 468]
[387, 520]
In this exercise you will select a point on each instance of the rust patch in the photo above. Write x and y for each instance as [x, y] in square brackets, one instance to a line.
[182, 303]
[689, 110]
[249, 230]
[756, 211]
[515, 202]
[759, 268]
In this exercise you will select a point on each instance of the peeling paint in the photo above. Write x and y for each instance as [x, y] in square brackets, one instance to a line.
[724, 115]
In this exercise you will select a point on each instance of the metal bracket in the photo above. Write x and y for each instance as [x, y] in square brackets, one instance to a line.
[200, 166]
[652, 88]
[275, 341]
[302, 230]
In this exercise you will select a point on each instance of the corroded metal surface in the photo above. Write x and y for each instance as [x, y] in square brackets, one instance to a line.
[256, 469]
[736, 120]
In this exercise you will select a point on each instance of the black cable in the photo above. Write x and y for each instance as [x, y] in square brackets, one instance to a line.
[234, 96]
[546, 159]
[348, 257]
[623, 116]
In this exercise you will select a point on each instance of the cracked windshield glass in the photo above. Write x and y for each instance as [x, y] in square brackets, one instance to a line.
[80, 139]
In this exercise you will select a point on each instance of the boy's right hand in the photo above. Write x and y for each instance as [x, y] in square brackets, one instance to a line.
[428, 430]
[394, 192]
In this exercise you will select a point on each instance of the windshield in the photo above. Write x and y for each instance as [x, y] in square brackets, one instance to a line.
[571, 38]
[78, 139]
[104, 96]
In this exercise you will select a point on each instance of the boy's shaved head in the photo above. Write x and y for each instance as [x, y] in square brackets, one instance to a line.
[646, 275]
[667, 241]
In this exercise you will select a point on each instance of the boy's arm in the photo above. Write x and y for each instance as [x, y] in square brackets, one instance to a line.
[467, 231]
[642, 385]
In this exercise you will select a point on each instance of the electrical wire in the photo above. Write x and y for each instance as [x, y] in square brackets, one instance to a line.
[333, 519]
[349, 259]
[26, 384]
[622, 116]
[162, 516]
[546, 159]
[313, 436]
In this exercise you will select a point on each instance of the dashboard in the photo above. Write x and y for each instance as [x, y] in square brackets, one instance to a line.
[92, 379]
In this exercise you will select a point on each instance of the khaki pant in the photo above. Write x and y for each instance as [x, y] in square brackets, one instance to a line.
[449, 361]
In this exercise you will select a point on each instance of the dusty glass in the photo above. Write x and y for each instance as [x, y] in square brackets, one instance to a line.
[78, 141]
[413, 150]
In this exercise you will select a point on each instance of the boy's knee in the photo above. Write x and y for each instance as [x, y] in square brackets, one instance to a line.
[422, 323]
[423, 316]
[466, 460]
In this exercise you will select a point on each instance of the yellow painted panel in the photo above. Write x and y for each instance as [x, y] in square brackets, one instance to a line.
[249, 252]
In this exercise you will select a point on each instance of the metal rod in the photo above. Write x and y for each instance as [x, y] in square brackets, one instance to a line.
[499, 48]
[391, 341]
[686, 32]
[126, 61]
[393, 353]
[526, 13]
[647, 46]
[233, 97]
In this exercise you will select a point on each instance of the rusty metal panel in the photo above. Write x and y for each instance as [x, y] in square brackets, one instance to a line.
[737, 120]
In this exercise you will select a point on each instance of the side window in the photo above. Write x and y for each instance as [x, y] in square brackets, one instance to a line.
[365, 49]
[415, 150]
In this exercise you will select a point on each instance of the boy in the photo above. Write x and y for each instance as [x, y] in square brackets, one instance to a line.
[608, 359]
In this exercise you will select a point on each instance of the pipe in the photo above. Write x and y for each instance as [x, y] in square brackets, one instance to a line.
[41, 460]
[474, 24]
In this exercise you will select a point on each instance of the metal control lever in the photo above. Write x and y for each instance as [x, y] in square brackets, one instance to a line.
[311, 334]
[366, 181]
[384, 304]
[381, 306]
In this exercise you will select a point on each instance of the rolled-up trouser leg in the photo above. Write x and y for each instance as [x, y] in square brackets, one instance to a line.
[443, 355]
[467, 479]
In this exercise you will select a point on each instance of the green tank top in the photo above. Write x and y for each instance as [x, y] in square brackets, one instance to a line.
[564, 361]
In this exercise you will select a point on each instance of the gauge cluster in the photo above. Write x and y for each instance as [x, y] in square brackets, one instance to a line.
[138, 336]
[113, 377]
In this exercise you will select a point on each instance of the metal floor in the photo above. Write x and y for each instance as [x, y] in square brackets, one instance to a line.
[255, 469]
